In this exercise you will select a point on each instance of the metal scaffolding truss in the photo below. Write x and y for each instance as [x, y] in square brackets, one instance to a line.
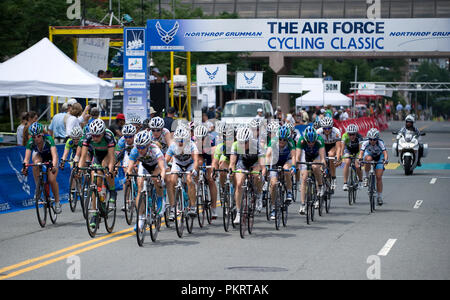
[404, 86]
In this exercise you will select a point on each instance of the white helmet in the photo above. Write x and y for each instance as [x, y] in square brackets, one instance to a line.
[200, 131]
[373, 133]
[97, 127]
[181, 133]
[76, 132]
[244, 134]
[256, 122]
[326, 122]
[409, 118]
[220, 127]
[128, 129]
[156, 122]
[135, 120]
[352, 128]
[273, 126]
[143, 138]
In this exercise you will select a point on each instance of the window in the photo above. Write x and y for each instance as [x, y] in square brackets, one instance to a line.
[246, 10]
[289, 10]
[311, 9]
[355, 9]
[267, 10]
[401, 9]
[442, 9]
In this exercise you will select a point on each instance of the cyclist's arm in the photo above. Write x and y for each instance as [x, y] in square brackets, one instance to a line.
[322, 155]
[195, 156]
[233, 159]
[294, 158]
[54, 153]
[112, 159]
[269, 156]
[65, 154]
[84, 151]
[26, 160]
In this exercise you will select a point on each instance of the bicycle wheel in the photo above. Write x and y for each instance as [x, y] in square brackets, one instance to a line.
[284, 208]
[41, 205]
[207, 206]
[355, 186]
[309, 200]
[85, 192]
[372, 193]
[201, 211]
[321, 204]
[350, 187]
[313, 200]
[244, 209]
[155, 221]
[50, 205]
[74, 192]
[129, 205]
[110, 213]
[226, 203]
[278, 214]
[140, 231]
[267, 199]
[179, 213]
[251, 210]
[92, 215]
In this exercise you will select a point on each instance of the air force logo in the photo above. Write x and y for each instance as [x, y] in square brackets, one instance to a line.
[211, 75]
[249, 79]
[167, 36]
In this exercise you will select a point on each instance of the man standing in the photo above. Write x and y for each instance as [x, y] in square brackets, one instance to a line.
[23, 123]
[116, 127]
[168, 120]
[57, 128]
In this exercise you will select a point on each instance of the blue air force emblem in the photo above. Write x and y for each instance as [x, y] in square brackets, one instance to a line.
[211, 75]
[167, 36]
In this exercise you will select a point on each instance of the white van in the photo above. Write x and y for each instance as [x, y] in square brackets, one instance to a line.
[242, 111]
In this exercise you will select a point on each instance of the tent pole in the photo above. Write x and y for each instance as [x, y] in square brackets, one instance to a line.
[51, 107]
[11, 114]
[171, 81]
[110, 111]
[28, 103]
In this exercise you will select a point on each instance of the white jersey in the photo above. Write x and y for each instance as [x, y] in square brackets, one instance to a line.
[162, 139]
[182, 156]
[373, 150]
[333, 137]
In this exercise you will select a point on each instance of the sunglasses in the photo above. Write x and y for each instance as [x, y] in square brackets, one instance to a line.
[128, 136]
[37, 136]
[141, 147]
[181, 141]
[283, 140]
[156, 130]
[327, 128]
[352, 134]
[372, 140]
[96, 135]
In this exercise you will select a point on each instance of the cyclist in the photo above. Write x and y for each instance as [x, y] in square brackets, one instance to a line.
[103, 143]
[136, 121]
[310, 148]
[331, 136]
[409, 126]
[351, 144]
[373, 149]
[221, 158]
[160, 136]
[72, 144]
[41, 148]
[206, 145]
[281, 152]
[185, 158]
[151, 161]
[125, 144]
[246, 154]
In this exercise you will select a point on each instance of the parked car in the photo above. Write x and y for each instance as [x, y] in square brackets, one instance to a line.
[242, 111]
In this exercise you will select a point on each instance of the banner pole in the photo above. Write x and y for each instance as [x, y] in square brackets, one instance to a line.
[188, 71]
[171, 80]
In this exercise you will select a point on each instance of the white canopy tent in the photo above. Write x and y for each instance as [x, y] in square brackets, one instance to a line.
[44, 70]
[321, 99]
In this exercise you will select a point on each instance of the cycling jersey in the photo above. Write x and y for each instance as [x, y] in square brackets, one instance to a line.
[351, 147]
[375, 150]
[150, 159]
[221, 153]
[44, 152]
[161, 139]
[182, 155]
[246, 159]
[311, 153]
[283, 154]
[206, 145]
[100, 149]
[123, 149]
[332, 138]
[71, 145]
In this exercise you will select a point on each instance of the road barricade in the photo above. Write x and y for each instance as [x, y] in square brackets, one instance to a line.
[364, 124]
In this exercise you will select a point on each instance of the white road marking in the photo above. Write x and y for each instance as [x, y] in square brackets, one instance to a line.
[433, 181]
[387, 247]
[418, 204]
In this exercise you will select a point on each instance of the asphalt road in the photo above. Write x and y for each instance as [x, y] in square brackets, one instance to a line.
[403, 239]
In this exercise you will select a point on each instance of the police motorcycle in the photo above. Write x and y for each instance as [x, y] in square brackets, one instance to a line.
[408, 149]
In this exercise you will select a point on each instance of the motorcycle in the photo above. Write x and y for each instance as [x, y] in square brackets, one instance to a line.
[407, 149]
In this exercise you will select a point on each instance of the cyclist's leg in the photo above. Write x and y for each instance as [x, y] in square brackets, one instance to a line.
[211, 184]
[347, 162]
[379, 170]
[273, 176]
[53, 183]
[223, 176]
[192, 191]
[36, 158]
[332, 166]
[238, 194]
[287, 175]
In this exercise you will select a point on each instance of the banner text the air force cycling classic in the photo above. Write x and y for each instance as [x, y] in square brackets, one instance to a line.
[381, 35]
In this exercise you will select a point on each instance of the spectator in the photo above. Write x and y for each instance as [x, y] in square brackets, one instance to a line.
[260, 113]
[399, 109]
[32, 117]
[57, 128]
[219, 113]
[153, 112]
[116, 126]
[100, 74]
[168, 120]
[74, 118]
[344, 115]
[23, 123]
[211, 114]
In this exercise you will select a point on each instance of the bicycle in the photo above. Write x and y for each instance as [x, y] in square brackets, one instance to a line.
[104, 208]
[327, 186]
[353, 182]
[181, 205]
[75, 187]
[227, 200]
[42, 199]
[281, 207]
[129, 199]
[311, 192]
[149, 206]
[372, 188]
[248, 203]
[203, 201]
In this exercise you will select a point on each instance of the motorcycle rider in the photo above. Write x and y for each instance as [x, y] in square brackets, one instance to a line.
[409, 126]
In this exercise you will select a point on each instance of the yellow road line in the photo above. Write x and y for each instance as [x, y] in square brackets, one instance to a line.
[392, 166]
[51, 261]
[30, 261]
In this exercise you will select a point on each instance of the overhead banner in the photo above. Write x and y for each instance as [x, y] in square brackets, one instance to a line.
[299, 35]
[249, 80]
[211, 75]
[135, 89]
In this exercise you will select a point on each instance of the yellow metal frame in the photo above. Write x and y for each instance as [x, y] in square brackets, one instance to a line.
[188, 88]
